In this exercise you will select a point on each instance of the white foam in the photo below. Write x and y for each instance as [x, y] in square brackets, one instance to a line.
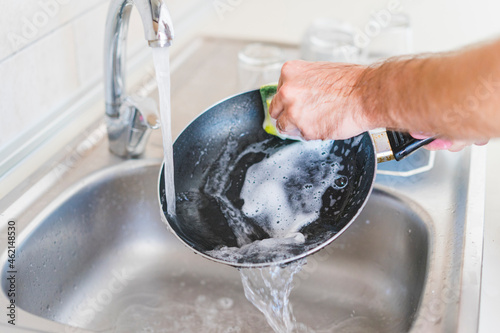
[266, 250]
[282, 194]
[284, 191]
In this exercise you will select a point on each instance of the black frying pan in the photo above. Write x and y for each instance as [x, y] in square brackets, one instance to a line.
[211, 158]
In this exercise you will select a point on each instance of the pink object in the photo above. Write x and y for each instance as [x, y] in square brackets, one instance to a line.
[438, 144]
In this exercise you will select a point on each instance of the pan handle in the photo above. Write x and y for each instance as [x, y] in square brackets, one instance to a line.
[403, 144]
[392, 145]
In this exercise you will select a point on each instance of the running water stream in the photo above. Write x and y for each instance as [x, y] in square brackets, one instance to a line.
[162, 66]
[268, 289]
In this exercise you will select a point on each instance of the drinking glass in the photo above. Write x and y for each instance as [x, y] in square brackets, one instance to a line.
[389, 38]
[259, 64]
[329, 40]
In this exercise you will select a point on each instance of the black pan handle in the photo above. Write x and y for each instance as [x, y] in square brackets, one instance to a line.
[403, 144]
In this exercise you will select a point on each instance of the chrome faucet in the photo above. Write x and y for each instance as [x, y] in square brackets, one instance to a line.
[128, 126]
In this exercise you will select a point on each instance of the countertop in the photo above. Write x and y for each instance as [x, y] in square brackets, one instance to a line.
[490, 293]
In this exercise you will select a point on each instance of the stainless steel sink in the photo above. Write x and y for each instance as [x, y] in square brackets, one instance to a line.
[100, 252]
[93, 254]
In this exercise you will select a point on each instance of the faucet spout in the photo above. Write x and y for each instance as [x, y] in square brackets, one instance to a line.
[157, 22]
[158, 31]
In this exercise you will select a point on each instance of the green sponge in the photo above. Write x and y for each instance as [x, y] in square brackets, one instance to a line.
[267, 93]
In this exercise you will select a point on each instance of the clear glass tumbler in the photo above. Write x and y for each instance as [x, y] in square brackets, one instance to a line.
[329, 40]
[392, 37]
[259, 64]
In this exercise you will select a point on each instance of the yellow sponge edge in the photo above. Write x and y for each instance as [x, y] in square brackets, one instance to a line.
[267, 93]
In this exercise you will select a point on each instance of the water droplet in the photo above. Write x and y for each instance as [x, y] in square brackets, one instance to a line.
[340, 182]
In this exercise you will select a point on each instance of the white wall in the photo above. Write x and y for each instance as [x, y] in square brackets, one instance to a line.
[437, 24]
[49, 50]
[52, 50]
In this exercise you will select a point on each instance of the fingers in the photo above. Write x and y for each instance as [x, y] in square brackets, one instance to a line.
[277, 111]
[451, 145]
[458, 145]
[439, 144]
[282, 98]
[280, 124]
[285, 126]
[276, 107]
[481, 142]
[280, 82]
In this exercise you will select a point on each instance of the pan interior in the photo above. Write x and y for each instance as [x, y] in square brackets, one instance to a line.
[212, 166]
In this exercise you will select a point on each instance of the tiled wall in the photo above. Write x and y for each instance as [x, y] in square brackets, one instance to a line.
[51, 50]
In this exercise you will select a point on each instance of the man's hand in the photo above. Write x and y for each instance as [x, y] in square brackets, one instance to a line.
[319, 99]
[454, 96]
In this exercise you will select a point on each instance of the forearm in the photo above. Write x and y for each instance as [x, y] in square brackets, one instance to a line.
[454, 95]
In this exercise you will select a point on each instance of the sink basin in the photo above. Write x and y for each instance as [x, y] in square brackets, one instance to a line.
[100, 258]
[93, 255]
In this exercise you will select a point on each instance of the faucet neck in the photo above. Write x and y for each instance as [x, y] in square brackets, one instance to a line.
[158, 31]
[127, 132]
